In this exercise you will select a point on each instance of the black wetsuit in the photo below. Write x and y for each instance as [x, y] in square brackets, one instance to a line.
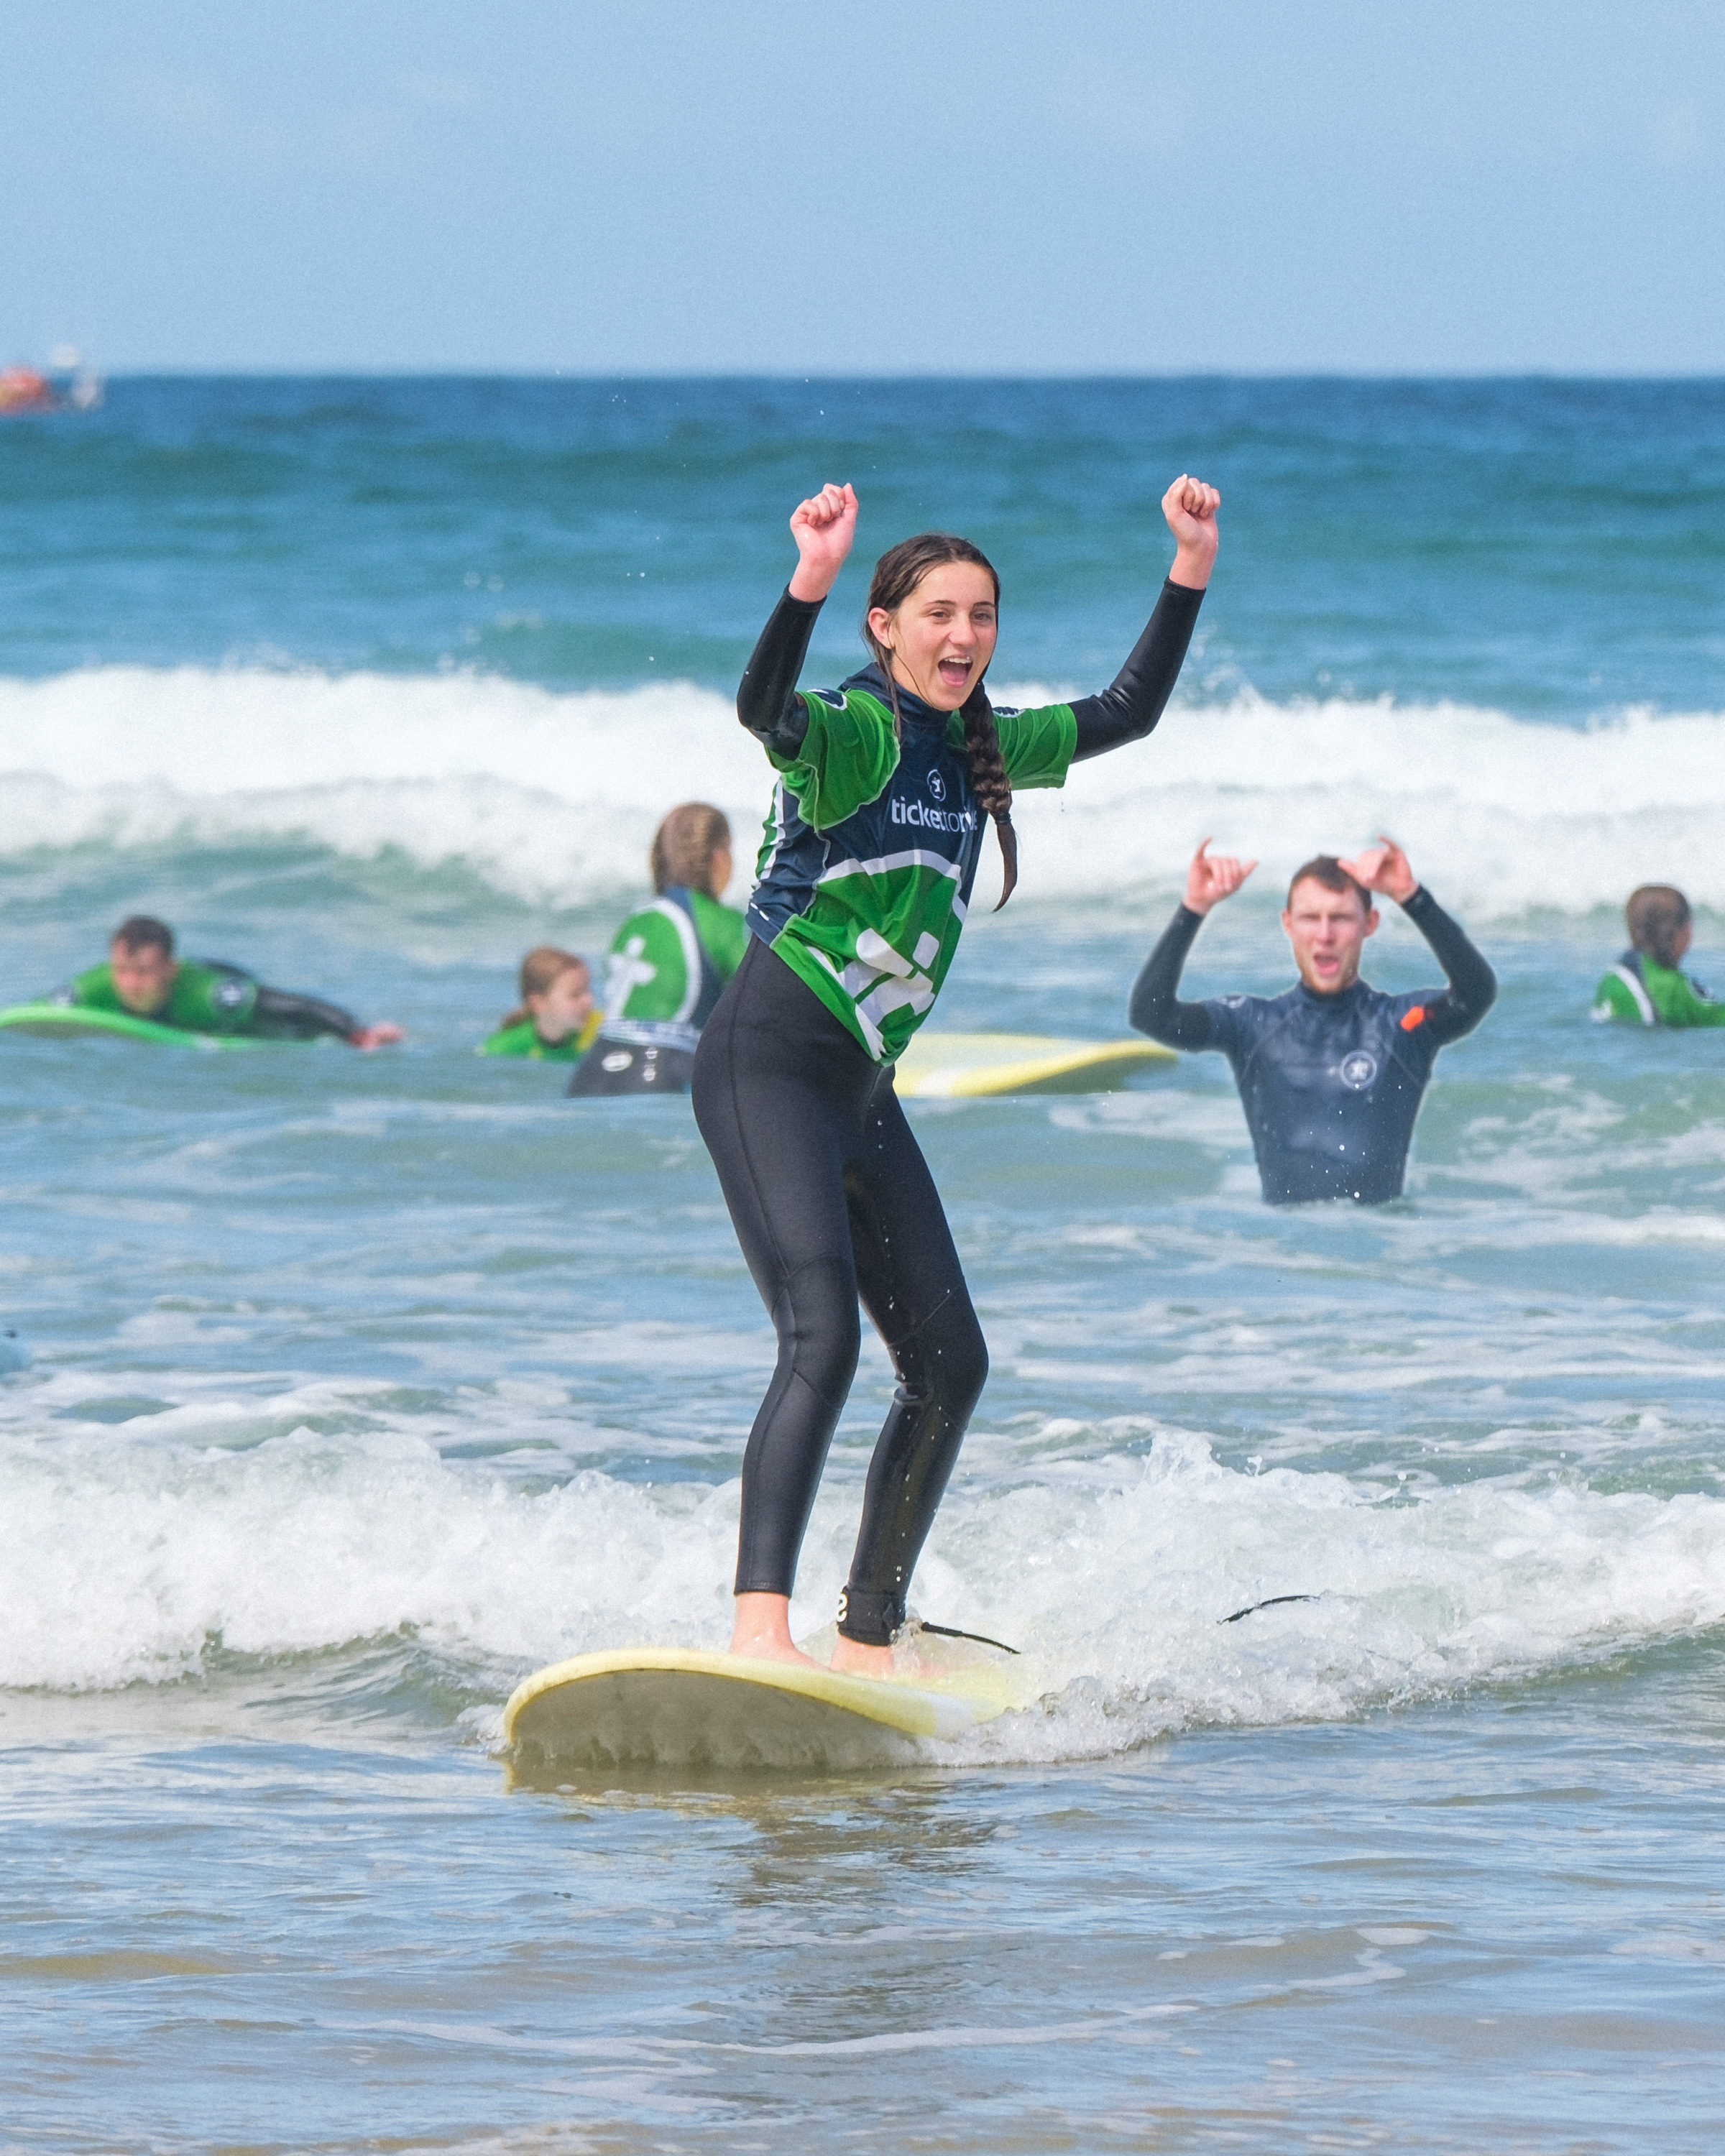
[1331, 1084]
[832, 1199]
[281, 1015]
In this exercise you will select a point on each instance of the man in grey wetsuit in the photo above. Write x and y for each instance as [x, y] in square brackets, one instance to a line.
[1331, 1074]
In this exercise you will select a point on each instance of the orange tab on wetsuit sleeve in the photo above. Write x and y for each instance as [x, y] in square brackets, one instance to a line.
[1410, 1018]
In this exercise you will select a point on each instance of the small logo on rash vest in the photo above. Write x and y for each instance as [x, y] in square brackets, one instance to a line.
[936, 785]
[1358, 1069]
[230, 994]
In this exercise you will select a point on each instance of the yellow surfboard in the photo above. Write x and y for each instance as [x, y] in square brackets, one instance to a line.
[965, 1066]
[685, 1706]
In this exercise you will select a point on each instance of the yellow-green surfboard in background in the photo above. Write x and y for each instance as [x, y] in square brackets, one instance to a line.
[66, 1021]
[968, 1065]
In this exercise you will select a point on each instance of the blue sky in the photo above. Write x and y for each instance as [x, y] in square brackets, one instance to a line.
[696, 186]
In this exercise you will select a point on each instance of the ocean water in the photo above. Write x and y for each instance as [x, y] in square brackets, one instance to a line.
[341, 1391]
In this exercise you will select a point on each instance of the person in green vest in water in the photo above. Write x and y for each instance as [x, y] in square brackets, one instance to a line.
[668, 963]
[1645, 986]
[555, 1019]
[141, 978]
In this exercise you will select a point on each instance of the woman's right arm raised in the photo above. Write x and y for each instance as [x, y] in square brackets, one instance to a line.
[1129, 708]
[767, 701]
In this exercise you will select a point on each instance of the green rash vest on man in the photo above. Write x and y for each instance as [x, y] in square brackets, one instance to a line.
[202, 1000]
[872, 848]
[1639, 991]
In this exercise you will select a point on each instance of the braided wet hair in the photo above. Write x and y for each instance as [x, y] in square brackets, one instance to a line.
[897, 574]
[684, 846]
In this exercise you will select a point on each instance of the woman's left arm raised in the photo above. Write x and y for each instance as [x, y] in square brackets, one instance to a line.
[1129, 709]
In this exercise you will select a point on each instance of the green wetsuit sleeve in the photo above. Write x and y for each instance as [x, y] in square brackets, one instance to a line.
[1037, 747]
[723, 932]
[1679, 1000]
[848, 753]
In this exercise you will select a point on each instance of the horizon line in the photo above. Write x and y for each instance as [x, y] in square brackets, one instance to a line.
[350, 372]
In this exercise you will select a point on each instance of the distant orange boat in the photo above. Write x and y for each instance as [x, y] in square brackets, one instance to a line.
[24, 389]
[67, 385]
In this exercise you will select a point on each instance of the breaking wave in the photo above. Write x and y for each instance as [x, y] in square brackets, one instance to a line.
[552, 798]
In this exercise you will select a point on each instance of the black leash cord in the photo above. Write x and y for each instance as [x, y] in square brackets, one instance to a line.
[982, 1639]
[1251, 1606]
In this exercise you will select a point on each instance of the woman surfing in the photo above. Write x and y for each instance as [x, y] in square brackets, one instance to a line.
[884, 785]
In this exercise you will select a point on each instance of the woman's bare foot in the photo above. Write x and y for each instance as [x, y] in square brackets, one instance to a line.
[857, 1659]
[763, 1631]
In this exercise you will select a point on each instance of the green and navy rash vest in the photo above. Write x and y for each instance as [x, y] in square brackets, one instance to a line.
[872, 848]
[210, 997]
[1639, 991]
[872, 842]
[523, 1038]
[667, 968]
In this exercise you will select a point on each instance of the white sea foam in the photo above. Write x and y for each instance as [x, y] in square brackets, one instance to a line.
[552, 796]
[124, 1557]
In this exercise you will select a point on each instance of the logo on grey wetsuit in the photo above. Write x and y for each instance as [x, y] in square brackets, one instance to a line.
[1358, 1069]
[936, 785]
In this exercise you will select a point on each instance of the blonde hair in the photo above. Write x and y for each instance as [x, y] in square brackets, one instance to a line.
[684, 846]
[543, 964]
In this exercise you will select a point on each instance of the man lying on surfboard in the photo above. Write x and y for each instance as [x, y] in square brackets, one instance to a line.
[142, 977]
[886, 788]
[1331, 1074]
